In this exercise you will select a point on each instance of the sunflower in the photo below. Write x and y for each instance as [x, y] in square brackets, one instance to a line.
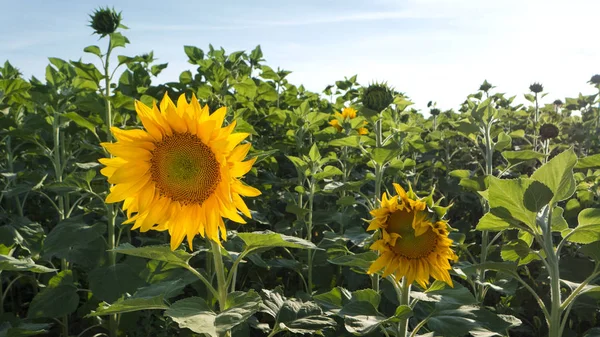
[412, 244]
[347, 114]
[181, 173]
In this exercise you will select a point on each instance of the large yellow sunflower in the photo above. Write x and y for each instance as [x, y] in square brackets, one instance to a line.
[412, 245]
[181, 173]
[347, 114]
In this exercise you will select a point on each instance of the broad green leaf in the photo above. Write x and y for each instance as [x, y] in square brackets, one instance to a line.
[517, 134]
[557, 174]
[588, 228]
[130, 305]
[328, 172]
[592, 250]
[23, 329]
[360, 260]
[361, 317]
[515, 157]
[517, 251]
[111, 282]
[314, 154]
[58, 299]
[351, 141]
[491, 222]
[240, 306]
[268, 240]
[81, 121]
[558, 222]
[93, 50]
[587, 162]
[10, 263]
[194, 54]
[158, 253]
[518, 199]
[118, 40]
[72, 239]
[382, 155]
[193, 313]
[504, 141]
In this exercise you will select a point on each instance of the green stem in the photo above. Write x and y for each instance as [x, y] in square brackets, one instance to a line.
[404, 300]
[309, 226]
[2, 294]
[11, 169]
[489, 153]
[378, 182]
[554, 274]
[111, 213]
[220, 271]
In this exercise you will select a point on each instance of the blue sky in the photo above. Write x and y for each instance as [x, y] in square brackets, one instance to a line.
[438, 50]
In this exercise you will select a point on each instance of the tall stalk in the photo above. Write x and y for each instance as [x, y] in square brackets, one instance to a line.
[309, 227]
[110, 208]
[379, 168]
[404, 300]
[221, 279]
[489, 152]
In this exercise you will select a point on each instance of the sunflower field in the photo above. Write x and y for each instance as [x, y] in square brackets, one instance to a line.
[235, 203]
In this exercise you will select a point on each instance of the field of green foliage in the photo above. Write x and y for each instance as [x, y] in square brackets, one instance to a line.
[235, 203]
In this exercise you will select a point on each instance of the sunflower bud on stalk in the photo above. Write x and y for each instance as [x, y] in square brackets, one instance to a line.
[377, 97]
[105, 21]
[486, 86]
[549, 131]
[536, 88]
[435, 112]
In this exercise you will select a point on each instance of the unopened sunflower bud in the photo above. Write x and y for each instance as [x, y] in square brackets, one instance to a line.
[486, 86]
[536, 88]
[377, 97]
[105, 21]
[549, 131]
[558, 102]
[435, 112]
[595, 80]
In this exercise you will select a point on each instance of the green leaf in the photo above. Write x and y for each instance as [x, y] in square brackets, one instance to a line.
[558, 222]
[246, 87]
[118, 40]
[23, 329]
[504, 141]
[588, 229]
[360, 260]
[515, 200]
[517, 134]
[293, 315]
[194, 54]
[193, 313]
[72, 239]
[58, 299]
[592, 250]
[240, 306]
[382, 155]
[517, 251]
[361, 317]
[10, 263]
[314, 154]
[557, 174]
[81, 121]
[130, 305]
[328, 172]
[111, 282]
[515, 157]
[267, 240]
[93, 50]
[158, 253]
[491, 222]
[587, 162]
[351, 141]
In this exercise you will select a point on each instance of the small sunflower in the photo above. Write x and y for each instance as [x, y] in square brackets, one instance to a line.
[412, 245]
[347, 114]
[182, 173]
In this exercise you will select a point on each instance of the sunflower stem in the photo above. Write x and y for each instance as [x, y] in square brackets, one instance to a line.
[220, 271]
[489, 152]
[111, 214]
[404, 300]
[378, 183]
[309, 226]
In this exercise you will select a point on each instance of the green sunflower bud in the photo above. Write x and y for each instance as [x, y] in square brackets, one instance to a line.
[536, 88]
[105, 21]
[435, 112]
[377, 97]
[486, 86]
[558, 102]
[595, 80]
[549, 131]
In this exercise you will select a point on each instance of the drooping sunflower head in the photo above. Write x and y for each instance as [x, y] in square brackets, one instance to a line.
[105, 21]
[181, 173]
[414, 241]
[536, 88]
[347, 115]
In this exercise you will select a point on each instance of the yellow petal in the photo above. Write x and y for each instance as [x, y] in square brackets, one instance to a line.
[239, 169]
[219, 116]
[130, 172]
[239, 153]
[244, 190]
[121, 191]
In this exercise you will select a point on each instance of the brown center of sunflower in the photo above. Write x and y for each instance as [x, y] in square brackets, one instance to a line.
[409, 245]
[184, 169]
